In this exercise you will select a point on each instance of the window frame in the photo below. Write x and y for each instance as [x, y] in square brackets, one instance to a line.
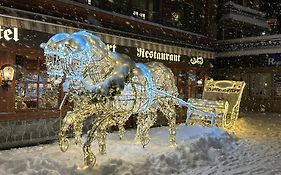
[37, 71]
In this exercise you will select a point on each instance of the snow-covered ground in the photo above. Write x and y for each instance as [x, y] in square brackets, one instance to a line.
[253, 146]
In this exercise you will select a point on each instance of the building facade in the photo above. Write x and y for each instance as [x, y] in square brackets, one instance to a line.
[196, 39]
[250, 52]
[29, 111]
[256, 61]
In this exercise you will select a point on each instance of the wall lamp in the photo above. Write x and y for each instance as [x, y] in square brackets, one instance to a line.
[7, 73]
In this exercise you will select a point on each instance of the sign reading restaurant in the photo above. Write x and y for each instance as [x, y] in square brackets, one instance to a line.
[155, 55]
[149, 54]
[9, 34]
[152, 54]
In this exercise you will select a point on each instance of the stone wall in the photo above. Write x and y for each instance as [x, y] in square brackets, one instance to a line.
[28, 132]
[18, 133]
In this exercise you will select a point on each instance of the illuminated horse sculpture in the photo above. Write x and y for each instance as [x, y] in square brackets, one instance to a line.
[111, 86]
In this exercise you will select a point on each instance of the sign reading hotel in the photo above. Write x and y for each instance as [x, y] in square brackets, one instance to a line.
[9, 34]
[152, 54]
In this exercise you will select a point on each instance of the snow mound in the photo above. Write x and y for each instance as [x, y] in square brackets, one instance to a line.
[208, 146]
[205, 151]
[196, 147]
[199, 150]
[33, 165]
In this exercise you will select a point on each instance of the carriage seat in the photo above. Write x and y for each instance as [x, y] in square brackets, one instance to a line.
[221, 97]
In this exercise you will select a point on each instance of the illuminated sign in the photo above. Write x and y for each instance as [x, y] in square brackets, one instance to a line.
[196, 60]
[273, 61]
[9, 34]
[139, 14]
[111, 47]
[152, 54]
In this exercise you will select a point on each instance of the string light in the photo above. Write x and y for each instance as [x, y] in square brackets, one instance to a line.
[110, 87]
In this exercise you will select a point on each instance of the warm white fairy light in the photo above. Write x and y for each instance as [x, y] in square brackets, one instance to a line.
[223, 97]
[111, 87]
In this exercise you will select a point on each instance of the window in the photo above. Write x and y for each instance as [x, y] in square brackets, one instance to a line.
[33, 87]
[277, 85]
[186, 17]
[140, 4]
[260, 84]
[139, 8]
[182, 83]
[146, 10]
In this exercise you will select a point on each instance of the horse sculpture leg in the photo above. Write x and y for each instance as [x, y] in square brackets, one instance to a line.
[101, 131]
[121, 132]
[80, 119]
[68, 120]
[145, 121]
[76, 119]
[142, 130]
[170, 112]
[98, 131]
[101, 136]
[120, 122]
[78, 126]
[89, 157]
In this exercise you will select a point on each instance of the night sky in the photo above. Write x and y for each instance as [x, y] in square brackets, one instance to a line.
[271, 7]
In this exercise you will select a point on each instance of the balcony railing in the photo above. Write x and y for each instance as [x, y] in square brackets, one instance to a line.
[232, 11]
[249, 46]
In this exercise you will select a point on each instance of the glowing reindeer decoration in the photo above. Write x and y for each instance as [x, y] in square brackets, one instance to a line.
[111, 87]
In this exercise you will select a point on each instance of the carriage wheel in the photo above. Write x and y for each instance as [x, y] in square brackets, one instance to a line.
[64, 144]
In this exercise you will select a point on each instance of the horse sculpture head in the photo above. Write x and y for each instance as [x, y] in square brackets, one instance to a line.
[54, 61]
[69, 56]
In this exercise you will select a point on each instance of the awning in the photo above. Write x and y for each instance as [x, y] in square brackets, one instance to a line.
[52, 28]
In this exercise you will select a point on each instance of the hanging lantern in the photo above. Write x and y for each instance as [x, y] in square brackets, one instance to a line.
[7, 75]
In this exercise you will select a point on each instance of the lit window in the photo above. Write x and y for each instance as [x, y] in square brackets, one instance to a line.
[33, 87]
[260, 84]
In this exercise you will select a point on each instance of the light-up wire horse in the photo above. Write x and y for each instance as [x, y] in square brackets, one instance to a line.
[111, 87]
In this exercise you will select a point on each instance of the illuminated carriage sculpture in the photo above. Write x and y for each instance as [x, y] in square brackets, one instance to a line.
[112, 88]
